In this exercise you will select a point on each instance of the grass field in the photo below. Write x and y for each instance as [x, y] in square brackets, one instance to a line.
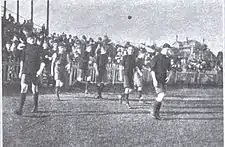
[191, 117]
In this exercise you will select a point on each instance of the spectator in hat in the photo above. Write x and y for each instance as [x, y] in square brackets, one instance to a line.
[106, 39]
[6, 51]
[83, 43]
[94, 46]
[11, 18]
[99, 40]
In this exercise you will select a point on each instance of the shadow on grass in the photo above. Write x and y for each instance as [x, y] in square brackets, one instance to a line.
[192, 118]
[64, 100]
[36, 116]
[166, 115]
[53, 111]
[194, 107]
[169, 115]
[189, 112]
[146, 101]
[194, 96]
[45, 113]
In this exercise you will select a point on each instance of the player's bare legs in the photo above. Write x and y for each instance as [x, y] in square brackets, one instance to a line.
[139, 89]
[125, 96]
[59, 85]
[24, 89]
[157, 105]
[35, 97]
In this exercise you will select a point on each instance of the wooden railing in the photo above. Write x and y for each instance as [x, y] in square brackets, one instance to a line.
[10, 72]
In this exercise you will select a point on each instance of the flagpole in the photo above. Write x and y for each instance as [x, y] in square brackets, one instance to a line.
[47, 17]
[18, 11]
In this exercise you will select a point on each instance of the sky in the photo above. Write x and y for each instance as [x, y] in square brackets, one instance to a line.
[152, 21]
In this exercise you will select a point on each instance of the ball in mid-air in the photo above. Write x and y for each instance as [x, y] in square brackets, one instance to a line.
[129, 17]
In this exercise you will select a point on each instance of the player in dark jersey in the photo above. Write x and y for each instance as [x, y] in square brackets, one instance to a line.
[101, 72]
[160, 64]
[31, 67]
[62, 64]
[129, 69]
[47, 59]
[84, 66]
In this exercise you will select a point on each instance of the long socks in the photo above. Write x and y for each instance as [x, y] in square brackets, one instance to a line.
[22, 101]
[57, 91]
[35, 97]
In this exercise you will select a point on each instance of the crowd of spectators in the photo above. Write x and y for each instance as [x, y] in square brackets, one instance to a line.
[14, 38]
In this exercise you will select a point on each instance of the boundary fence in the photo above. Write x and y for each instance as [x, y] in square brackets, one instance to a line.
[10, 74]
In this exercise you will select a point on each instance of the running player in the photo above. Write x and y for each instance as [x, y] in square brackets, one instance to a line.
[160, 64]
[31, 67]
[62, 64]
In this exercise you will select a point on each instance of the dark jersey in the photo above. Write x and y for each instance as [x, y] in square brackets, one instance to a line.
[129, 64]
[46, 54]
[62, 59]
[84, 60]
[140, 63]
[160, 64]
[5, 55]
[102, 60]
[83, 45]
[32, 57]
[93, 48]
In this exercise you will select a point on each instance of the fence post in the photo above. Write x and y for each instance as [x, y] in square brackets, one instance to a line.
[113, 76]
[71, 76]
[175, 80]
[4, 72]
[93, 75]
[8, 72]
[32, 11]
[18, 11]
[75, 73]
[198, 77]
[4, 11]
